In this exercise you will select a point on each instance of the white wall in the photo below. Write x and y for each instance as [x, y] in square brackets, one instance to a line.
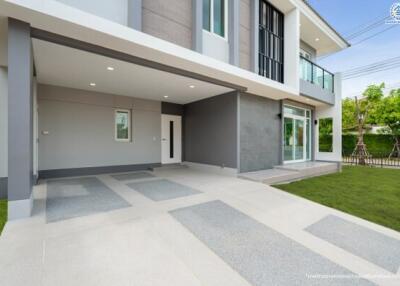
[215, 46]
[292, 48]
[81, 129]
[114, 10]
[3, 123]
[334, 112]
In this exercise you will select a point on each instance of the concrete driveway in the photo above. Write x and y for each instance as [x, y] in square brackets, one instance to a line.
[184, 227]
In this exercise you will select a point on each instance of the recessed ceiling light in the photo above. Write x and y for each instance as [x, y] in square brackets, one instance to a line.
[110, 68]
[92, 84]
[316, 39]
[192, 86]
[165, 96]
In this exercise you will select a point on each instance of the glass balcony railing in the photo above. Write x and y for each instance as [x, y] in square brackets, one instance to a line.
[315, 74]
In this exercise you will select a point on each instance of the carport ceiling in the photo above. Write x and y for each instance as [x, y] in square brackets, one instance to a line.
[68, 67]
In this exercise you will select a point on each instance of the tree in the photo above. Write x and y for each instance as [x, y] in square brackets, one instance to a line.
[349, 119]
[365, 106]
[388, 113]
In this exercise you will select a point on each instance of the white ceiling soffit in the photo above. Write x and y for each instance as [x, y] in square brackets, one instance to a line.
[68, 67]
[317, 33]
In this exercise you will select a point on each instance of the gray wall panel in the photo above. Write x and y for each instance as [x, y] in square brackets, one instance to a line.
[210, 129]
[20, 126]
[3, 188]
[81, 129]
[316, 92]
[260, 129]
[169, 20]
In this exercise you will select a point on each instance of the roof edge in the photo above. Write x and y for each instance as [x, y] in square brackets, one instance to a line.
[326, 22]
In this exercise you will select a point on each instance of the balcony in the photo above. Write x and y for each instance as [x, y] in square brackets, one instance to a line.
[316, 82]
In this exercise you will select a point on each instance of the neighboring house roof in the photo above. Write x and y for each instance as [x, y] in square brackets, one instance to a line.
[326, 22]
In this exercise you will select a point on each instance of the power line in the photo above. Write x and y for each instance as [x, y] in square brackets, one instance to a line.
[374, 35]
[365, 39]
[361, 26]
[375, 64]
[367, 28]
[371, 69]
[389, 68]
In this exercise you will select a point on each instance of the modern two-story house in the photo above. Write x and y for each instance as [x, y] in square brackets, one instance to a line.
[90, 87]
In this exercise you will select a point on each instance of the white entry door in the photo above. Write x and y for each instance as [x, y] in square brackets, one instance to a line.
[171, 139]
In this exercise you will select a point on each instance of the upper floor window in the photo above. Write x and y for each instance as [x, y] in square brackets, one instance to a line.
[214, 16]
[270, 51]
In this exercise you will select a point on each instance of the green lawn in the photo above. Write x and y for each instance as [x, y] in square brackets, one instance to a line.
[369, 193]
[3, 214]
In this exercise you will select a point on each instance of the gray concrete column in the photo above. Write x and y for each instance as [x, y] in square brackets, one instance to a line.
[254, 30]
[20, 123]
[197, 26]
[233, 30]
[135, 14]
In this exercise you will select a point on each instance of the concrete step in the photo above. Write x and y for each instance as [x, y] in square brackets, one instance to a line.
[170, 167]
[270, 176]
[291, 172]
[310, 169]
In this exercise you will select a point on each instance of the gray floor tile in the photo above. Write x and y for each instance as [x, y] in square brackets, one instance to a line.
[70, 198]
[368, 244]
[162, 189]
[260, 254]
[132, 176]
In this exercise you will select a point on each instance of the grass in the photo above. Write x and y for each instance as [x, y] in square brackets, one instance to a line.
[370, 193]
[3, 214]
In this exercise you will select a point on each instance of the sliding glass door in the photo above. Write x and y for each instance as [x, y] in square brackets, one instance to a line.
[296, 135]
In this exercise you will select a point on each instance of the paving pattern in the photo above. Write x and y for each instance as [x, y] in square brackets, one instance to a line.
[71, 198]
[162, 189]
[132, 176]
[186, 227]
[260, 254]
[371, 245]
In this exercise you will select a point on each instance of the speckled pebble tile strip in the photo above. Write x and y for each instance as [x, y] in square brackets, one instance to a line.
[260, 254]
[162, 189]
[71, 198]
[132, 176]
[368, 244]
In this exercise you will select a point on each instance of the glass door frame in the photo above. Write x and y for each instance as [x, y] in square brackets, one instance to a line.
[304, 119]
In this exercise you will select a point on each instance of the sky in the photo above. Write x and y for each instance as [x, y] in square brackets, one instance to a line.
[346, 16]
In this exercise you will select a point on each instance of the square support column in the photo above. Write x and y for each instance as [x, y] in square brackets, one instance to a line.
[197, 26]
[233, 37]
[20, 122]
[292, 49]
[254, 30]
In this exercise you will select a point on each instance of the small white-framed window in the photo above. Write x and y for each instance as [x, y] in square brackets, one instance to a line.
[122, 122]
[305, 54]
[215, 18]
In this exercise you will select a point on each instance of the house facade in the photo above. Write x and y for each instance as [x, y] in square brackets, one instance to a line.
[114, 86]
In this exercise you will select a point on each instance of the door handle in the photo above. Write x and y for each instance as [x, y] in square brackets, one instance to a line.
[164, 139]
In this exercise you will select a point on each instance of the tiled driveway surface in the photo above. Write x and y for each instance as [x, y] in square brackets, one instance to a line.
[224, 231]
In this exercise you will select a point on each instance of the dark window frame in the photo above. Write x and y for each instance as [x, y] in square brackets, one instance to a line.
[271, 42]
